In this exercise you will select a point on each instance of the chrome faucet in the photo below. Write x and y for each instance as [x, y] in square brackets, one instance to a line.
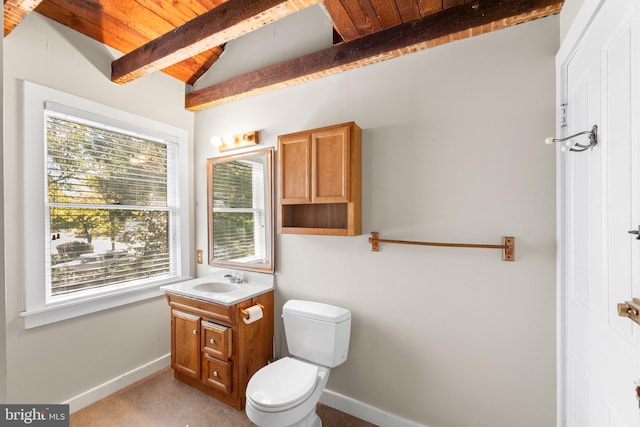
[234, 277]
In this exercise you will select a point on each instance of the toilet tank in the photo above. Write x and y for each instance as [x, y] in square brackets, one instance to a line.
[317, 332]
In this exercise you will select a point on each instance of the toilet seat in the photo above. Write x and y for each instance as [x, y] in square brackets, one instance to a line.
[282, 384]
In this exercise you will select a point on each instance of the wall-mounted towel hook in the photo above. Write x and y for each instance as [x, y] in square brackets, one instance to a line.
[568, 145]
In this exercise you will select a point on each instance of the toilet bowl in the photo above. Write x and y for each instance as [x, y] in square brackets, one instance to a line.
[285, 393]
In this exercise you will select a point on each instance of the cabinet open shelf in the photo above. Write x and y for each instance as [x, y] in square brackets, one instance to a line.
[330, 215]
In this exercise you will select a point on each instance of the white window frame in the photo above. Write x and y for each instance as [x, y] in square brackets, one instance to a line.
[38, 311]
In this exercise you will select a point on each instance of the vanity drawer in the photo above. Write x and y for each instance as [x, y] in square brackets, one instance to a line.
[216, 373]
[216, 340]
[208, 310]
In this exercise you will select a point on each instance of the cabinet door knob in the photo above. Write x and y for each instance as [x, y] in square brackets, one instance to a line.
[215, 373]
[195, 331]
[212, 341]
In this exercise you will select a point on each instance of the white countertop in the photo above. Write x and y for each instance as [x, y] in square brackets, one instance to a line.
[240, 292]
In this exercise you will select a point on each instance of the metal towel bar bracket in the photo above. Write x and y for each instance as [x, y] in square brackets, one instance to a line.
[508, 245]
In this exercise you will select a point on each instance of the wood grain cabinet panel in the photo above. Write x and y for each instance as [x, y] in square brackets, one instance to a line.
[186, 338]
[331, 169]
[320, 181]
[217, 373]
[216, 340]
[295, 154]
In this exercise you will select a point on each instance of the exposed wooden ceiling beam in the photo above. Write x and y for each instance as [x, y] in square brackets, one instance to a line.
[15, 11]
[226, 22]
[456, 23]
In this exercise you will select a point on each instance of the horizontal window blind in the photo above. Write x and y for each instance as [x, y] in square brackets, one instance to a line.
[236, 209]
[111, 201]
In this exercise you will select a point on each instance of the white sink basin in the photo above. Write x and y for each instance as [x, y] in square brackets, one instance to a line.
[216, 287]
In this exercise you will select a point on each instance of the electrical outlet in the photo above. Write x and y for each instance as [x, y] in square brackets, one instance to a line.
[199, 256]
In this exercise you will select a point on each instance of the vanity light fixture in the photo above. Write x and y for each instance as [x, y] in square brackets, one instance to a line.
[231, 142]
[569, 145]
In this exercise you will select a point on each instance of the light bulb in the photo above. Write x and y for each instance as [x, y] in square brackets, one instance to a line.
[549, 140]
[216, 141]
[228, 139]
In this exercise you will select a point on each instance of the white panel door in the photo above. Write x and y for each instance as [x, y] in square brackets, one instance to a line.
[599, 204]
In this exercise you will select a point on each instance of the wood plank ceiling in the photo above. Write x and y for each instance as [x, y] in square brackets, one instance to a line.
[183, 38]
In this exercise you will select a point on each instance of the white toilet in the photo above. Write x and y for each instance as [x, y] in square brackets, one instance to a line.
[285, 393]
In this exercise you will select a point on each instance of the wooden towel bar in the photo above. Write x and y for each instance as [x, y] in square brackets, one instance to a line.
[508, 245]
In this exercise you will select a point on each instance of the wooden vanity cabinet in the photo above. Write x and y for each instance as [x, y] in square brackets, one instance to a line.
[213, 350]
[320, 181]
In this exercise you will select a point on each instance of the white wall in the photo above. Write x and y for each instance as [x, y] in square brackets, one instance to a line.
[54, 363]
[452, 151]
[272, 44]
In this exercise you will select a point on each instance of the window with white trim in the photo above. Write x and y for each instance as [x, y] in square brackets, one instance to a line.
[105, 204]
[111, 203]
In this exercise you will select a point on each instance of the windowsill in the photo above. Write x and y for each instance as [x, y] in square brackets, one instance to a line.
[52, 313]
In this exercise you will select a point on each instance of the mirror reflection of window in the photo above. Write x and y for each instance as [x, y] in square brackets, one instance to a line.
[240, 211]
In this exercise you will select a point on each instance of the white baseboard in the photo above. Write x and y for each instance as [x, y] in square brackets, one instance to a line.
[103, 390]
[335, 400]
[364, 411]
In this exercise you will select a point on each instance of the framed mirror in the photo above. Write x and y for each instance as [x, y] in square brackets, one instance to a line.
[240, 206]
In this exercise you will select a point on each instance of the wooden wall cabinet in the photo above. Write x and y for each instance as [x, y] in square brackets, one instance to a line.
[213, 350]
[320, 181]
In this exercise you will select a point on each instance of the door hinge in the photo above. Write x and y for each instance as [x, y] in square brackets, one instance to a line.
[562, 115]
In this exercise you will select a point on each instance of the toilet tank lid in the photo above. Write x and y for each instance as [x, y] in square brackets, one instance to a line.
[316, 310]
